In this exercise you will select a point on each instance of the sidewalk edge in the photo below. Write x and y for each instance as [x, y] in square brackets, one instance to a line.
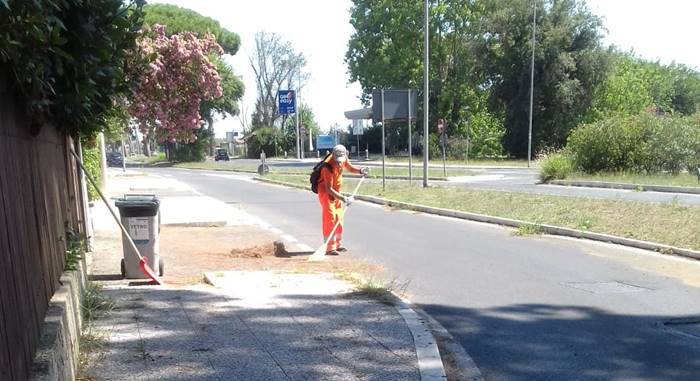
[456, 364]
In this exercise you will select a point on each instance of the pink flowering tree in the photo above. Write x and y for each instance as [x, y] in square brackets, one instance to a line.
[175, 74]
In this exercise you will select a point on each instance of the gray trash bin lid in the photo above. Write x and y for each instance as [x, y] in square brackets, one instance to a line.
[138, 205]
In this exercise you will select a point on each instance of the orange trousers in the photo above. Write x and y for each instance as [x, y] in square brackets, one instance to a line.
[331, 213]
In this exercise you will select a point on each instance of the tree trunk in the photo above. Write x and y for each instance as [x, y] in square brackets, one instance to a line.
[212, 145]
[147, 145]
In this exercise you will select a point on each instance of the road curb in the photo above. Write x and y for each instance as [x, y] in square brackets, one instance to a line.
[456, 363]
[625, 186]
[548, 229]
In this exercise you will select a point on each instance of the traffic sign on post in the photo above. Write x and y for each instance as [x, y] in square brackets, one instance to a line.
[441, 125]
[286, 100]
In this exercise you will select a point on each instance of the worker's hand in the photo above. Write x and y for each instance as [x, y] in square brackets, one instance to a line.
[364, 171]
[349, 200]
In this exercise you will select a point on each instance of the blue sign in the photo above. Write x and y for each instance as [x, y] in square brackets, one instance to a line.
[325, 142]
[286, 100]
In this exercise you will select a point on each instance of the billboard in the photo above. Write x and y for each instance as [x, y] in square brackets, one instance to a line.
[286, 101]
[395, 104]
[325, 142]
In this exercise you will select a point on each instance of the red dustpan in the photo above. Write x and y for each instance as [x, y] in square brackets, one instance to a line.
[143, 265]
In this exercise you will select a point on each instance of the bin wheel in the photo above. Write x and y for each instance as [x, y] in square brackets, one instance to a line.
[123, 268]
[161, 266]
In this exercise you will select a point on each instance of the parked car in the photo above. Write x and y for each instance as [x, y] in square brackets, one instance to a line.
[221, 154]
[115, 159]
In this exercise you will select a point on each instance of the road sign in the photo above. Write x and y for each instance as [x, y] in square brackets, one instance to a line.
[302, 130]
[325, 142]
[357, 127]
[441, 125]
[286, 100]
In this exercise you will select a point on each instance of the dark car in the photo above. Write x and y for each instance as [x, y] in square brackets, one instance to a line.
[115, 159]
[221, 154]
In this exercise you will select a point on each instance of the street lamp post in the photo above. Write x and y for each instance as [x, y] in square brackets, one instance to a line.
[532, 83]
[426, 49]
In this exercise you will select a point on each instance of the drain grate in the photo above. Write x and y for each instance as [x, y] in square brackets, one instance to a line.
[687, 326]
[606, 287]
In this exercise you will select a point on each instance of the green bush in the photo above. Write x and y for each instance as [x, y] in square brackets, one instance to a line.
[555, 166]
[66, 58]
[91, 160]
[637, 143]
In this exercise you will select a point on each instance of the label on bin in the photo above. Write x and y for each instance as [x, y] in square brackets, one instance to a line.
[138, 228]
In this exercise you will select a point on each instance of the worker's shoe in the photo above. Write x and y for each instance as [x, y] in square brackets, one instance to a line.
[332, 252]
[341, 249]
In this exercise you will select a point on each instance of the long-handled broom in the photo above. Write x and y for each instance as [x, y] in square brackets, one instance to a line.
[320, 253]
[143, 265]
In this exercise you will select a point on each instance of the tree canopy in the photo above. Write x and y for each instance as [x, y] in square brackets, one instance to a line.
[480, 61]
[179, 19]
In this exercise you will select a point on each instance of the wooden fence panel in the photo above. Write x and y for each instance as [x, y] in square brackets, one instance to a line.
[40, 200]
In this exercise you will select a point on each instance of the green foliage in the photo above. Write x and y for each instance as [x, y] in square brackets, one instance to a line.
[193, 152]
[66, 58]
[528, 229]
[233, 89]
[555, 166]
[569, 63]
[91, 160]
[75, 251]
[486, 132]
[179, 20]
[94, 302]
[479, 52]
[384, 53]
[634, 85]
[636, 143]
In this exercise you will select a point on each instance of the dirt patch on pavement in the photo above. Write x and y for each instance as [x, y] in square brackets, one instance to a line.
[188, 252]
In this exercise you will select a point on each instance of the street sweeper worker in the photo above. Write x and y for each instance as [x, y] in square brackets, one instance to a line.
[329, 185]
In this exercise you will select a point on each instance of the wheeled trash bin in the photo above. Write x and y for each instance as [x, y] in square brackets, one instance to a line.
[140, 215]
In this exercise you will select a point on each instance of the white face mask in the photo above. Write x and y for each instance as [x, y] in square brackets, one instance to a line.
[340, 160]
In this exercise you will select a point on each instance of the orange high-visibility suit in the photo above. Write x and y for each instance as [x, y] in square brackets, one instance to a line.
[331, 208]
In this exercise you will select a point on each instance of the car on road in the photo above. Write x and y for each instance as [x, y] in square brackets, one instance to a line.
[221, 154]
[115, 159]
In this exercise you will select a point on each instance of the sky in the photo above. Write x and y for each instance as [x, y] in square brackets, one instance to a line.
[664, 30]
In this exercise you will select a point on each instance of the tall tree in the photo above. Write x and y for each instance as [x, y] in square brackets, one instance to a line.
[276, 66]
[386, 51]
[174, 76]
[569, 63]
[177, 20]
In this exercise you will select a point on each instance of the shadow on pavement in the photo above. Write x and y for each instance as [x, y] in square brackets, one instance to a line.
[560, 342]
[180, 334]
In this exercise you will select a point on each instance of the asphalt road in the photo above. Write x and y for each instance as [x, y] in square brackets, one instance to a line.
[524, 308]
[521, 180]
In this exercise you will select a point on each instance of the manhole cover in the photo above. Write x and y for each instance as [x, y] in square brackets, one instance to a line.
[606, 287]
[687, 326]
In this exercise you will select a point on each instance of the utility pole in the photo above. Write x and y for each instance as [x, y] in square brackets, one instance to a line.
[383, 147]
[296, 115]
[426, 107]
[532, 82]
[410, 143]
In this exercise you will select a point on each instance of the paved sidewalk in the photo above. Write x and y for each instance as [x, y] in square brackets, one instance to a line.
[258, 326]
[180, 204]
[251, 325]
